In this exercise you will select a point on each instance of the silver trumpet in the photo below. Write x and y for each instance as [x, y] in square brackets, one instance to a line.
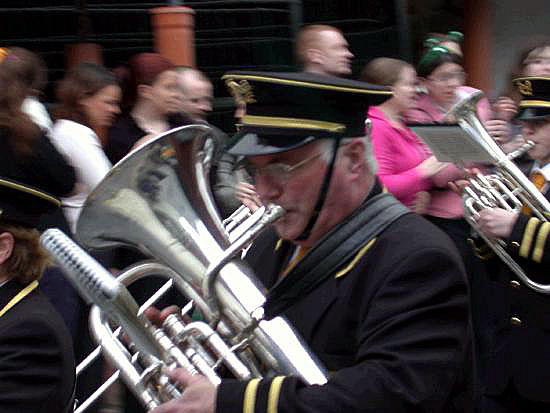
[506, 188]
[158, 199]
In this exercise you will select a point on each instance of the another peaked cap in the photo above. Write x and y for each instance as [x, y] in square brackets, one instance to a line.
[23, 204]
[535, 97]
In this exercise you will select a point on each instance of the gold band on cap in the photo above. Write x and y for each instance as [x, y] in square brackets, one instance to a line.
[31, 191]
[534, 104]
[296, 123]
[311, 85]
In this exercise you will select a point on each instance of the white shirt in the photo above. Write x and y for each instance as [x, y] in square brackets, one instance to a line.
[37, 112]
[82, 149]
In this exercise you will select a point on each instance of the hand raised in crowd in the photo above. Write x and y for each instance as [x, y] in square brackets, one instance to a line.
[505, 108]
[430, 167]
[199, 395]
[246, 193]
[497, 222]
[499, 130]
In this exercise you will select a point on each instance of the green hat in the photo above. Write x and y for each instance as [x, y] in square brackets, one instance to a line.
[288, 110]
[535, 97]
[23, 204]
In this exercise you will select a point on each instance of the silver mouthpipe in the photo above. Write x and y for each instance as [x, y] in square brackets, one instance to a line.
[99, 286]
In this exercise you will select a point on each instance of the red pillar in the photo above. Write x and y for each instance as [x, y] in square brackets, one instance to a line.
[174, 33]
[478, 43]
[83, 53]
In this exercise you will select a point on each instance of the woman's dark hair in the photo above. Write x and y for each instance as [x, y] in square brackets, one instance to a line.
[31, 68]
[16, 125]
[141, 69]
[435, 57]
[383, 71]
[82, 81]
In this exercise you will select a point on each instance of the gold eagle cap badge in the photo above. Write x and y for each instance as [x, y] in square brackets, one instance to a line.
[525, 87]
[241, 91]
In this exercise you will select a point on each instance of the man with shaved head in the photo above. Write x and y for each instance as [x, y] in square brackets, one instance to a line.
[323, 49]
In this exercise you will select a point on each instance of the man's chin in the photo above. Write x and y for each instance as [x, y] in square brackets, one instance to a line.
[287, 230]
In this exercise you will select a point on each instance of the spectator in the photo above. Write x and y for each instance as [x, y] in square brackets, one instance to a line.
[152, 100]
[322, 49]
[443, 77]
[28, 156]
[88, 98]
[406, 165]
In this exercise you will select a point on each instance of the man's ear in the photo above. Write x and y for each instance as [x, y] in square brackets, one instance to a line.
[314, 55]
[355, 153]
[6, 246]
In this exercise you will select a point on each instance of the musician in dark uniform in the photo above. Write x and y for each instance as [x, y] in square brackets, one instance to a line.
[518, 377]
[37, 369]
[380, 294]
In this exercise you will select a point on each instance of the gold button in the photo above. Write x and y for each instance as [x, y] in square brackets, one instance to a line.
[515, 284]
[515, 244]
[515, 321]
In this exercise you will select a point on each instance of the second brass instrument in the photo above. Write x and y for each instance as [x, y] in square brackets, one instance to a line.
[506, 188]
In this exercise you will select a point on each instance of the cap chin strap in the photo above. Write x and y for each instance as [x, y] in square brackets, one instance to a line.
[322, 195]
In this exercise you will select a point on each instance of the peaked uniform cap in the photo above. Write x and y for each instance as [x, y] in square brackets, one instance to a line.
[288, 110]
[535, 97]
[23, 204]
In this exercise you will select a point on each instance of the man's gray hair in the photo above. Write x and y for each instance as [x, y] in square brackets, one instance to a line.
[370, 160]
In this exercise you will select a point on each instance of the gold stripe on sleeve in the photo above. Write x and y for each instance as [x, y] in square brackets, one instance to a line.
[538, 251]
[528, 237]
[274, 391]
[250, 396]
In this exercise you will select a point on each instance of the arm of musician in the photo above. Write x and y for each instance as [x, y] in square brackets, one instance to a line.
[199, 394]
[529, 239]
[496, 222]
[411, 348]
[499, 130]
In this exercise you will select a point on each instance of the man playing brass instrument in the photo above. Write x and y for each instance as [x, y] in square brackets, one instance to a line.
[377, 292]
[519, 366]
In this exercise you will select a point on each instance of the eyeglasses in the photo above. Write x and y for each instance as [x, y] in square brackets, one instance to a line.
[537, 61]
[278, 172]
[446, 77]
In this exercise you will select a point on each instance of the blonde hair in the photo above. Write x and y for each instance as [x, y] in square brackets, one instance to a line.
[28, 259]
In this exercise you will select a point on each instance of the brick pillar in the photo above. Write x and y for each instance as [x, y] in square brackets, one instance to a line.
[174, 33]
[83, 53]
[478, 43]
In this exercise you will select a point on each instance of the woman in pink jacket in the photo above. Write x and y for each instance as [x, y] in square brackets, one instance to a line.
[406, 165]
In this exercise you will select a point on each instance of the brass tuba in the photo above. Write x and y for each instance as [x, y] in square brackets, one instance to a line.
[158, 200]
[507, 188]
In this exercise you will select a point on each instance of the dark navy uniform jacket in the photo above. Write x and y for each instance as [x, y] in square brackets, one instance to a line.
[392, 326]
[520, 317]
[37, 368]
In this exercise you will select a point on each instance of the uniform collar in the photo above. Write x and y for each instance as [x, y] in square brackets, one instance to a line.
[545, 170]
